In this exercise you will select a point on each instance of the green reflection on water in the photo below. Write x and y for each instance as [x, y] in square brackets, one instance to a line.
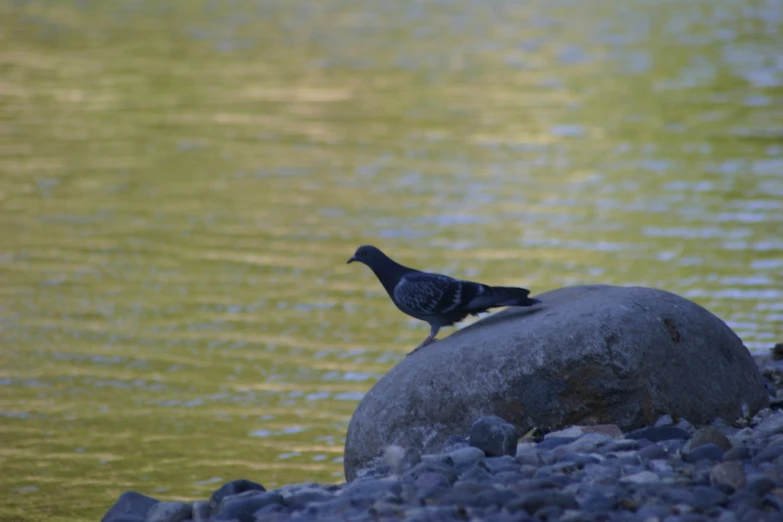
[181, 184]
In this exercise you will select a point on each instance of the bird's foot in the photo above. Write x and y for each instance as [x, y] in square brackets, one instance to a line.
[426, 342]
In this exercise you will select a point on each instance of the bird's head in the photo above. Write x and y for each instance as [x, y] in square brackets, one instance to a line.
[367, 254]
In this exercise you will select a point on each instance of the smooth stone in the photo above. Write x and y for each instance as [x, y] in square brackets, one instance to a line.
[235, 487]
[652, 452]
[528, 455]
[580, 459]
[130, 503]
[373, 488]
[728, 474]
[170, 512]
[499, 464]
[201, 511]
[128, 518]
[660, 466]
[664, 420]
[659, 434]
[738, 453]
[644, 477]
[709, 435]
[706, 452]
[759, 485]
[477, 474]
[620, 445]
[533, 502]
[771, 425]
[466, 456]
[247, 503]
[428, 466]
[494, 436]
[768, 454]
[585, 444]
[552, 443]
[301, 499]
[706, 498]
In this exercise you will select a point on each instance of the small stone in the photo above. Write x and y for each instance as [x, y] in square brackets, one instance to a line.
[664, 420]
[706, 452]
[658, 434]
[494, 436]
[301, 499]
[572, 432]
[130, 503]
[587, 443]
[709, 435]
[554, 442]
[652, 452]
[499, 464]
[771, 425]
[620, 445]
[528, 455]
[476, 474]
[247, 503]
[738, 453]
[466, 456]
[661, 467]
[644, 477]
[728, 474]
[685, 426]
[374, 488]
[706, 498]
[768, 454]
[235, 487]
[759, 485]
[170, 512]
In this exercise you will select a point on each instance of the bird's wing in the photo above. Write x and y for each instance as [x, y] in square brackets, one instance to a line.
[423, 294]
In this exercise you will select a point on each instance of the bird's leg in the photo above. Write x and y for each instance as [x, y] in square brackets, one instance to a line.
[429, 340]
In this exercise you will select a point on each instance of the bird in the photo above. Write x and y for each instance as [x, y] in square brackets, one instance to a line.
[437, 299]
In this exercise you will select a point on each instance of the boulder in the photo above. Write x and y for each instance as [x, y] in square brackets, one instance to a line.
[587, 355]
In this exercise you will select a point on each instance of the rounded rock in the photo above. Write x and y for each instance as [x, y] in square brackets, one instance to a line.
[553, 365]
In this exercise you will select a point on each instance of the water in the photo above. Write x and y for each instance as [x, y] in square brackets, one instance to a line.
[181, 184]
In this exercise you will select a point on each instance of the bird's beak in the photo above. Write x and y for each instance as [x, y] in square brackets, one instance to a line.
[353, 258]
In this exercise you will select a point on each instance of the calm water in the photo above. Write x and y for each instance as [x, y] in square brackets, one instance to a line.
[182, 182]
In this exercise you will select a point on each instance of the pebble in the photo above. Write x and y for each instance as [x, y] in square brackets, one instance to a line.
[663, 473]
[659, 433]
[494, 436]
[706, 452]
[709, 435]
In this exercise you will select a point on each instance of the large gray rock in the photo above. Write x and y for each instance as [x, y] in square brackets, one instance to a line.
[587, 355]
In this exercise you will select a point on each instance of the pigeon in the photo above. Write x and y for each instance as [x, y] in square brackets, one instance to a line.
[437, 299]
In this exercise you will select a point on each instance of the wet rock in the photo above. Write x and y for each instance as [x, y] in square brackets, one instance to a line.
[729, 474]
[170, 512]
[768, 454]
[494, 436]
[130, 504]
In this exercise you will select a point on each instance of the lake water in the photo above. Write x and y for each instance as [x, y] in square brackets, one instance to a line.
[182, 182]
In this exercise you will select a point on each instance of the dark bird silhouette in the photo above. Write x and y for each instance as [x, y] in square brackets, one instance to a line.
[438, 299]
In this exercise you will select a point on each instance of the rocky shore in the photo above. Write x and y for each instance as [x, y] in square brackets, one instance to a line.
[668, 472]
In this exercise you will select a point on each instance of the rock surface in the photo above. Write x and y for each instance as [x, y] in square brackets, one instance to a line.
[588, 355]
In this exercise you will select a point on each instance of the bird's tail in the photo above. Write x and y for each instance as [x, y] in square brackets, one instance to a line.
[494, 296]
